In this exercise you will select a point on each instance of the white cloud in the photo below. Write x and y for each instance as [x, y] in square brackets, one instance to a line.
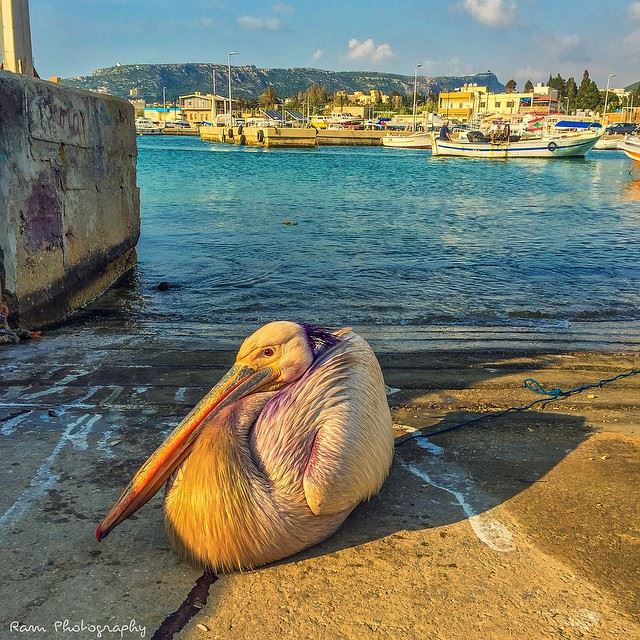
[285, 9]
[206, 22]
[492, 13]
[367, 49]
[253, 22]
[317, 54]
[634, 10]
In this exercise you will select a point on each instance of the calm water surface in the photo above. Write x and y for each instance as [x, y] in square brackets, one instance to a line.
[384, 236]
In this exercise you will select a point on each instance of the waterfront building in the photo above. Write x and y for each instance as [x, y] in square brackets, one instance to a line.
[462, 103]
[475, 101]
[197, 106]
[162, 114]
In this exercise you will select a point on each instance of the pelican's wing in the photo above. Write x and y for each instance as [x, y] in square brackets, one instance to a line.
[330, 435]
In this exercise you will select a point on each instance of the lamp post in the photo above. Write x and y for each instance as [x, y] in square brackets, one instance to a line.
[415, 94]
[606, 95]
[229, 54]
[214, 110]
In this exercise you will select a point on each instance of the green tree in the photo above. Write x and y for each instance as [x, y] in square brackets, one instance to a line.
[397, 100]
[268, 98]
[559, 84]
[613, 101]
[317, 95]
[432, 103]
[528, 86]
[571, 93]
[588, 94]
[510, 87]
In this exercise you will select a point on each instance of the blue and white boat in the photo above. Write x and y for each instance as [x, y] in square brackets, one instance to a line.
[564, 139]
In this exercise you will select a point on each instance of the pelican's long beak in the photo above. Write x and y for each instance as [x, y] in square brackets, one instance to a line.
[238, 382]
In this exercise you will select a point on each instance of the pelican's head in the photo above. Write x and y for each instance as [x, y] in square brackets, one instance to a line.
[276, 355]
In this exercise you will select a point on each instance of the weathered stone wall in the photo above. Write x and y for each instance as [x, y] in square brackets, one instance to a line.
[69, 204]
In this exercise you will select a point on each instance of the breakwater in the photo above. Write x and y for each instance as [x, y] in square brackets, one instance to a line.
[270, 137]
[69, 204]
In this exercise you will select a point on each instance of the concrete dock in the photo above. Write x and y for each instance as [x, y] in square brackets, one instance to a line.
[274, 137]
[524, 527]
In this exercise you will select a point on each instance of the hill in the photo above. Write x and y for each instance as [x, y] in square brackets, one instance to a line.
[249, 81]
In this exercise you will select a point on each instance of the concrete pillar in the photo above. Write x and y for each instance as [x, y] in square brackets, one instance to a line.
[17, 55]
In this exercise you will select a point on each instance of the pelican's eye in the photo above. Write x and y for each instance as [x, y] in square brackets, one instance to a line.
[268, 352]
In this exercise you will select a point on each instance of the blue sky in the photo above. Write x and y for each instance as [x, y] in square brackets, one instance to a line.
[521, 39]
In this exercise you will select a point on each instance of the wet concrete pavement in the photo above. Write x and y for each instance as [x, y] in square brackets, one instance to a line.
[526, 526]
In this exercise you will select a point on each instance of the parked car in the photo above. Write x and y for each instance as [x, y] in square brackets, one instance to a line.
[621, 128]
[177, 124]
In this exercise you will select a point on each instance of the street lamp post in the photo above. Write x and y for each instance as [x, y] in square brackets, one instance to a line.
[229, 54]
[214, 110]
[606, 95]
[415, 94]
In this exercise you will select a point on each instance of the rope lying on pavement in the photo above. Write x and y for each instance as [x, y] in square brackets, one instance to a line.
[529, 383]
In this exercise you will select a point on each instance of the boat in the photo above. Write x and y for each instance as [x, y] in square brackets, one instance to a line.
[343, 121]
[418, 140]
[608, 143]
[631, 148]
[565, 139]
[146, 127]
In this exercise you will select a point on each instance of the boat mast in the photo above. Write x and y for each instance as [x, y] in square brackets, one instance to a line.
[415, 95]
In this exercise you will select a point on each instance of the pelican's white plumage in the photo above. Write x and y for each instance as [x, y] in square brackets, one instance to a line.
[279, 468]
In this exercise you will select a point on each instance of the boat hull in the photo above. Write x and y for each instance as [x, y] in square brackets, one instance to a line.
[415, 141]
[631, 148]
[560, 147]
[149, 132]
[608, 144]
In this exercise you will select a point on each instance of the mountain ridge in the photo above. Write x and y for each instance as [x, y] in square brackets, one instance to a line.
[249, 81]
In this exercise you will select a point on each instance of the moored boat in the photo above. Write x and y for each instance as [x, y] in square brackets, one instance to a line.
[608, 143]
[418, 140]
[146, 127]
[631, 148]
[566, 139]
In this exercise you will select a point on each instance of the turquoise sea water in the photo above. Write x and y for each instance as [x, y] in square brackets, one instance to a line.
[384, 236]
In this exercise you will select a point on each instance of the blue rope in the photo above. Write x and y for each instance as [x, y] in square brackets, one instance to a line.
[533, 385]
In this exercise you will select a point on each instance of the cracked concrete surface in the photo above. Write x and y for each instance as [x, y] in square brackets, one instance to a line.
[526, 526]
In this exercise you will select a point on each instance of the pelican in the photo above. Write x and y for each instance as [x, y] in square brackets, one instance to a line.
[276, 456]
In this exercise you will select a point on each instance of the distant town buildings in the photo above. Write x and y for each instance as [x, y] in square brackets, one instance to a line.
[361, 98]
[470, 100]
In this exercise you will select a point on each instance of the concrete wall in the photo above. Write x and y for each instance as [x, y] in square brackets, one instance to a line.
[69, 205]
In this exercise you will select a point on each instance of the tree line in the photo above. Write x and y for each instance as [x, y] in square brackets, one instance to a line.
[587, 95]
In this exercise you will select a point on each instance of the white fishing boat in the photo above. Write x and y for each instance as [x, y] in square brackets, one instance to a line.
[146, 127]
[418, 140]
[631, 148]
[566, 139]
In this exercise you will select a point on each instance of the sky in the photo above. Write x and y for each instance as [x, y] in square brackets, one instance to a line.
[519, 39]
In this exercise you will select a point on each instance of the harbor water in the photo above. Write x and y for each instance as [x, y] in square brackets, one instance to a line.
[375, 236]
